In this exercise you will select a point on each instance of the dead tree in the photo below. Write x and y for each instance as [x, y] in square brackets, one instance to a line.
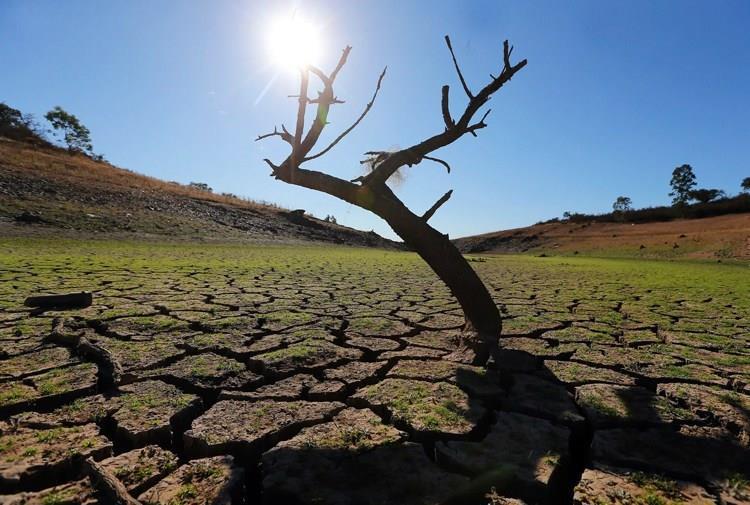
[481, 332]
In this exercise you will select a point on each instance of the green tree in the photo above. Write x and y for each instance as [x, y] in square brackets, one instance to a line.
[16, 125]
[682, 183]
[201, 186]
[76, 136]
[706, 195]
[745, 184]
[622, 204]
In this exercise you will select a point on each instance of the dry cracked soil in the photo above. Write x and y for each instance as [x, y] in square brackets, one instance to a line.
[211, 374]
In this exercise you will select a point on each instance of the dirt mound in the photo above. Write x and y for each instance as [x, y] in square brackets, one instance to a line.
[45, 190]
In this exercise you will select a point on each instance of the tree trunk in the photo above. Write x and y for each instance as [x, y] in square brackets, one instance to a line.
[483, 323]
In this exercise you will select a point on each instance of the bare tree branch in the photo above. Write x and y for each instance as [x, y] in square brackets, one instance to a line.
[354, 125]
[458, 70]
[478, 126]
[427, 215]
[447, 119]
[415, 153]
[304, 81]
[284, 135]
[329, 79]
[438, 160]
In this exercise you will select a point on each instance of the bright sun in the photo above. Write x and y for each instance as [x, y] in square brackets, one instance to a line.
[294, 42]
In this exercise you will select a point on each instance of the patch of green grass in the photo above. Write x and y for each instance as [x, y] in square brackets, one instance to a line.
[654, 482]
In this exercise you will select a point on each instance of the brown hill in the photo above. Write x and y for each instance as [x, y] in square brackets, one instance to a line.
[45, 190]
[714, 237]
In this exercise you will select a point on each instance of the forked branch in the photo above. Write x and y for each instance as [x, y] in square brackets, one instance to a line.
[458, 69]
[354, 125]
[283, 134]
[453, 130]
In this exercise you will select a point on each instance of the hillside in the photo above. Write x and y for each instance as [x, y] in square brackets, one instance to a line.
[47, 190]
[721, 237]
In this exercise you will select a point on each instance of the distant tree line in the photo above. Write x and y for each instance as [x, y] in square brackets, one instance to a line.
[66, 129]
[687, 202]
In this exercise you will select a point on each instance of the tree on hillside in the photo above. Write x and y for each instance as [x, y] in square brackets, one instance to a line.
[201, 186]
[479, 337]
[622, 204]
[706, 195]
[16, 125]
[682, 183]
[76, 136]
[745, 184]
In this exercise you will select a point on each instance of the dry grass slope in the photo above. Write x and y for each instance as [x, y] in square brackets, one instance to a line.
[722, 237]
[45, 190]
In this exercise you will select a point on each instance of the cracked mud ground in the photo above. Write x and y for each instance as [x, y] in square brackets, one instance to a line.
[231, 374]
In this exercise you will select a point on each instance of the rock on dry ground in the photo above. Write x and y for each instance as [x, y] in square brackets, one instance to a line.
[306, 376]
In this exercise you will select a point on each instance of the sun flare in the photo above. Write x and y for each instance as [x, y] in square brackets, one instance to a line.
[294, 42]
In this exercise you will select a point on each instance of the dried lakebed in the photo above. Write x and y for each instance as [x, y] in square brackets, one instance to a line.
[311, 375]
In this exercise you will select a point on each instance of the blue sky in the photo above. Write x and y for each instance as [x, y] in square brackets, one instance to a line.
[615, 95]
